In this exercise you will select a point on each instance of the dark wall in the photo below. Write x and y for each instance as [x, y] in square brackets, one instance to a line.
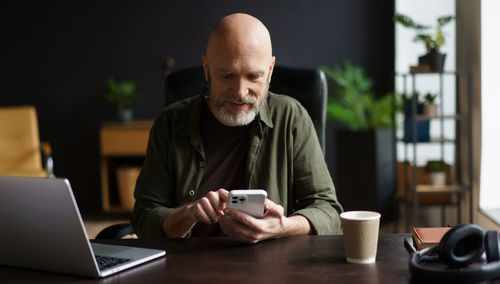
[57, 56]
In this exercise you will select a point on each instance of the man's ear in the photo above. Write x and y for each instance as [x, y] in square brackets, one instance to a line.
[204, 62]
[271, 68]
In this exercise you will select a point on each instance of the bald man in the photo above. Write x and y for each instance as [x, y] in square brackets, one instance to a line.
[238, 135]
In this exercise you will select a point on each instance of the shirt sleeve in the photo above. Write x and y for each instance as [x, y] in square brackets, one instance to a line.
[154, 195]
[315, 196]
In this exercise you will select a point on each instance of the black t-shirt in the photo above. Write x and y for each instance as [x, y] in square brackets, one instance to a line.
[226, 150]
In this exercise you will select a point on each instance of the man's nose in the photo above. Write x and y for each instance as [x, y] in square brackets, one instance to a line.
[241, 88]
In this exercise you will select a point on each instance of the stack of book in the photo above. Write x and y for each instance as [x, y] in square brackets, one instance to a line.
[428, 237]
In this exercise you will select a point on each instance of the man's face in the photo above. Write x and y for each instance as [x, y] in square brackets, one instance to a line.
[238, 85]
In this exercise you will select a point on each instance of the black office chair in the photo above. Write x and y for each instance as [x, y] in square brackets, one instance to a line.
[306, 85]
[116, 231]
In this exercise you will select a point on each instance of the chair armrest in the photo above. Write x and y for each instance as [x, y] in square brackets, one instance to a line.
[48, 162]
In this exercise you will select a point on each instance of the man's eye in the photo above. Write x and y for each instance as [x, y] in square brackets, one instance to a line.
[254, 77]
[227, 76]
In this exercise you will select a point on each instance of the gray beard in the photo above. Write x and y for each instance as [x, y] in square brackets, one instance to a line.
[239, 118]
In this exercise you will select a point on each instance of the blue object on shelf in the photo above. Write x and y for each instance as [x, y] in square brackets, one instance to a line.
[423, 126]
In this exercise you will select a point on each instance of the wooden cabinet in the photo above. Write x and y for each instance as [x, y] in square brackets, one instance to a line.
[122, 145]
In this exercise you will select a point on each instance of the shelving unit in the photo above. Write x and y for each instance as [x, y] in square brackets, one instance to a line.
[413, 189]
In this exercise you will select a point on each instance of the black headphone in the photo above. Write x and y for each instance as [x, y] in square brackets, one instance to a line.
[459, 247]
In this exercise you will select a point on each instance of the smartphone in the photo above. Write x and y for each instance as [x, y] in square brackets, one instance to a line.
[250, 201]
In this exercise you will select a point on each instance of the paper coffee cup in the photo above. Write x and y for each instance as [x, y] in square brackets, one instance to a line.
[360, 235]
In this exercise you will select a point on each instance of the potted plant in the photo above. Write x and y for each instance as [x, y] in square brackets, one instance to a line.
[433, 41]
[436, 171]
[356, 105]
[364, 159]
[123, 94]
[408, 101]
[430, 105]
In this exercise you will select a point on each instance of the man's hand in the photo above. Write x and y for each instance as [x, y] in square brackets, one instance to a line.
[207, 209]
[273, 224]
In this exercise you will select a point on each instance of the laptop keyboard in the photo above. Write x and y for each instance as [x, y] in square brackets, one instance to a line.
[107, 261]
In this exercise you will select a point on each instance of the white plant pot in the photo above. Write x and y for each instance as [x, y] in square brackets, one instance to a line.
[438, 178]
[430, 109]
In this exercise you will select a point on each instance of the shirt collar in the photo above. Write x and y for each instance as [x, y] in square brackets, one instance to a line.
[265, 113]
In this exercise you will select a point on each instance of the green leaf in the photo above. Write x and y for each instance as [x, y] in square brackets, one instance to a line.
[336, 111]
[408, 22]
[112, 85]
[382, 111]
[404, 20]
[430, 97]
[123, 93]
[444, 20]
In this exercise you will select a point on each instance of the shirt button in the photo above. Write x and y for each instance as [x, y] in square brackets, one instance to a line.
[202, 164]
[191, 192]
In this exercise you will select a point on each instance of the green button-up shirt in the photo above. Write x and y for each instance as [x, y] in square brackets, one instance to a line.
[284, 158]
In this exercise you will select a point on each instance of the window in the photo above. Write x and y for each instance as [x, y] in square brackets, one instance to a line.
[489, 195]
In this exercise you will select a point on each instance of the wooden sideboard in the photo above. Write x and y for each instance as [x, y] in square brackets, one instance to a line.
[123, 145]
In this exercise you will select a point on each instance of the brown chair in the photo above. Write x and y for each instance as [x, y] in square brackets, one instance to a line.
[20, 148]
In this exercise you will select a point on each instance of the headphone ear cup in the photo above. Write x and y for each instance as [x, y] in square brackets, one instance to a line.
[461, 245]
[492, 246]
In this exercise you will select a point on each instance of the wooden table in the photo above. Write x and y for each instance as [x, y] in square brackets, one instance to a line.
[302, 259]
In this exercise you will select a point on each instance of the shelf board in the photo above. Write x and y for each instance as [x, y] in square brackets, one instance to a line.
[403, 74]
[446, 116]
[439, 140]
[131, 125]
[429, 188]
[432, 140]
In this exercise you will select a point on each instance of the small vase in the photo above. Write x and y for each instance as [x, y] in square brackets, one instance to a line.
[430, 109]
[126, 115]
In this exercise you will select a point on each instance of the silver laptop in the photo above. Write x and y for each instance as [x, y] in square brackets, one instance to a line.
[42, 229]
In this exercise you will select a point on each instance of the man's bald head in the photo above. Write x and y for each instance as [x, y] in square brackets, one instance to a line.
[238, 65]
[240, 34]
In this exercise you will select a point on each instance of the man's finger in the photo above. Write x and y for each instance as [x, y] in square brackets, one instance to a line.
[236, 230]
[243, 218]
[209, 210]
[200, 214]
[223, 194]
[215, 201]
[273, 208]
